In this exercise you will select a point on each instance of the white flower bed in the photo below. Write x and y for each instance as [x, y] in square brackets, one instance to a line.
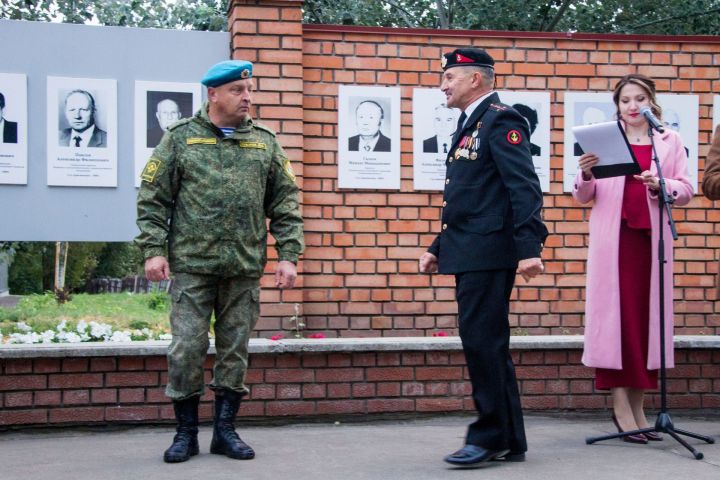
[83, 332]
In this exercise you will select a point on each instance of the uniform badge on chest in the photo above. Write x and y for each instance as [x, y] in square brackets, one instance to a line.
[469, 145]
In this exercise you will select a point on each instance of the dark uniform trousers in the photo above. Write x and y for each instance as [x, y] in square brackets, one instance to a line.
[235, 302]
[483, 299]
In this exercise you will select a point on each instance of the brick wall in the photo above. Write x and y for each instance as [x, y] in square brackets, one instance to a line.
[359, 273]
[129, 389]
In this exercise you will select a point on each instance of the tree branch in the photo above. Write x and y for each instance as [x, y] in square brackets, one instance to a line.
[674, 17]
[442, 15]
[403, 13]
[558, 16]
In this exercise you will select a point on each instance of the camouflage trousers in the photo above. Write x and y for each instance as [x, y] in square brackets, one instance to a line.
[235, 302]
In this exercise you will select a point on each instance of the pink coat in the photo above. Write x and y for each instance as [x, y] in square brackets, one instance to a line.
[602, 306]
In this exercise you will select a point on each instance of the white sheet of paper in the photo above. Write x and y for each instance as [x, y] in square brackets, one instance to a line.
[606, 140]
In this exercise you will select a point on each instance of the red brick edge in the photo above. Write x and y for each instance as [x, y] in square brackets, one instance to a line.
[129, 389]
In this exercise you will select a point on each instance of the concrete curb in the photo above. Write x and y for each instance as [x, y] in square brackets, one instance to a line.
[261, 345]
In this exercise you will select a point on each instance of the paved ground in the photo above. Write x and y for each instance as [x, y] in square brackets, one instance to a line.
[394, 450]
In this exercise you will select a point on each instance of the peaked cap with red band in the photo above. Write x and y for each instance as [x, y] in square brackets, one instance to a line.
[467, 57]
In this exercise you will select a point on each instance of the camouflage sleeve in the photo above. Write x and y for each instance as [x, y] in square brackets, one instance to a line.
[282, 207]
[155, 200]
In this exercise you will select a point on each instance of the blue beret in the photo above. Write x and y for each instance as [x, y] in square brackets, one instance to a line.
[227, 71]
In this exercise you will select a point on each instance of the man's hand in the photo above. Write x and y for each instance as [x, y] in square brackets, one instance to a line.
[428, 263]
[530, 268]
[285, 274]
[157, 268]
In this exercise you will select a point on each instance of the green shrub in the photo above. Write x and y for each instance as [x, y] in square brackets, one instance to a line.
[158, 301]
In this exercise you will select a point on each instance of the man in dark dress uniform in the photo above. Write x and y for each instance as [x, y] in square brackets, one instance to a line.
[491, 229]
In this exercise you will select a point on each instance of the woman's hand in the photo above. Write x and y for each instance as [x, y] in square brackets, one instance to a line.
[650, 181]
[586, 162]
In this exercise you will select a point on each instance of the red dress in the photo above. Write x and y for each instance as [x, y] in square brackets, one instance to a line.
[635, 259]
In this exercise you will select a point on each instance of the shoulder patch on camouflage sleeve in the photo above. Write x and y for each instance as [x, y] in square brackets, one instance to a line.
[260, 126]
[287, 168]
[150, 170]
[180, 122]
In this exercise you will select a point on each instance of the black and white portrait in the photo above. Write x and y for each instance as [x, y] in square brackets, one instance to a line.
[78, 120]
[158, 105]
[582, 108]
[434, 125]
[444, 122]
[13, 129]
[82, 133]
[164, 109]
[368, 137]
[680, 113]
[371, 117]
[535, 109]
[8, 128]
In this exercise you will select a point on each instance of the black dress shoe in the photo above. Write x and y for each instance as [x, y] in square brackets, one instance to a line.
[511, 457]
[471, 456]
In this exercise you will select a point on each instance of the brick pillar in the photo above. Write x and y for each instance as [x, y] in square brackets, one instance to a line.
[269, 34]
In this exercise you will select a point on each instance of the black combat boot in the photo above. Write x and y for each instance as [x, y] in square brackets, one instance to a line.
[225, 440]
[185, 443]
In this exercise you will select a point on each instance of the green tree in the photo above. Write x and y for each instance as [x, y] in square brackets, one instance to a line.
[182, 14]
[688, 17]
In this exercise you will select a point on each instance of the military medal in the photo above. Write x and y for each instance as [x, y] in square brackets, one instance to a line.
[473, 155]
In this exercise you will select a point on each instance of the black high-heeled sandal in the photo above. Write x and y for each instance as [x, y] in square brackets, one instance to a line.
[636, 438]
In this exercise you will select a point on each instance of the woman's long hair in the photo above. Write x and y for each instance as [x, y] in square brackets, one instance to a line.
[646, 83]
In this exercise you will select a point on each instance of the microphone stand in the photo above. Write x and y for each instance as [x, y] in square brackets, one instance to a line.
[664, 423]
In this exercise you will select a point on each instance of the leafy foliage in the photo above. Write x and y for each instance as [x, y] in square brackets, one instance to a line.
[689, 17]
[182, 14]
[32, 265]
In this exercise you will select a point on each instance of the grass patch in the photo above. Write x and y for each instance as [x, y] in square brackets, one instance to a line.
[122, 311]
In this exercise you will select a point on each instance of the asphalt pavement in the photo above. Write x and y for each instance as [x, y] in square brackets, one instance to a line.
[388, 449]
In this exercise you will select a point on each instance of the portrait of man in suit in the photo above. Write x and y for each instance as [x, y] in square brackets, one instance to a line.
[531, 117]
[79, 109]
[368, 119]
[163, 109]
[444, 123]
[8, 128]
[590, 116]
[671, 120]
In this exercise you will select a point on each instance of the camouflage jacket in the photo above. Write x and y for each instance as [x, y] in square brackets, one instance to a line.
[204, 199]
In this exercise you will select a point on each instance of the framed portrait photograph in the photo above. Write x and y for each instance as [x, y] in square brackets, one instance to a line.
[157, 106]
[535, 108]
[13, 129]
[681, 113]
[369, 137]
[582, 108]
[81, 132]
[434, 125]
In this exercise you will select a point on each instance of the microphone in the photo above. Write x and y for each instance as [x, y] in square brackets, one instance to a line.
[652, 119]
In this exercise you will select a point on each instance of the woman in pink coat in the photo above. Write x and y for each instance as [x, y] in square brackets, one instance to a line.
[622, 339]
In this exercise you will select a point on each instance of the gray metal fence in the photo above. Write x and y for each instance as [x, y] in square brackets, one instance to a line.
[136, 284]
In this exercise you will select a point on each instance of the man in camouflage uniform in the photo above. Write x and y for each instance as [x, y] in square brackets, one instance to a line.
[206, 192]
